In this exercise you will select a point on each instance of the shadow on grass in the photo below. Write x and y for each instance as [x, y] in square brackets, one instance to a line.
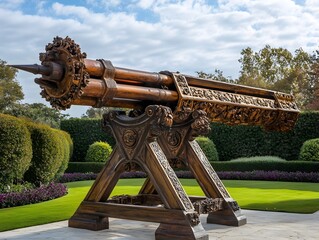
[292, 206]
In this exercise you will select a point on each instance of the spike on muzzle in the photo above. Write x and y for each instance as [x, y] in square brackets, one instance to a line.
[34, 68]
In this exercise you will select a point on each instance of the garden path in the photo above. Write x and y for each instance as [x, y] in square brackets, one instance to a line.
[261, 225]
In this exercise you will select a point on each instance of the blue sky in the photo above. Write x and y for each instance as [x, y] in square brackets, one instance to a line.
[155, 35]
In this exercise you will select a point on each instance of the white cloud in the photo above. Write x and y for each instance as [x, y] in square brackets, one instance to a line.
[103, 3]
[145, 3]
[189, 36]
[77, 11]
[11, 4]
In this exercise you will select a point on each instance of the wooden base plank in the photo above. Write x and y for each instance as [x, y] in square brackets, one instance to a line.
[133, 212]
[89, 221]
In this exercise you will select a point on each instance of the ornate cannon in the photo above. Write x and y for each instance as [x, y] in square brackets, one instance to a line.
[170, 110]
[68, 78]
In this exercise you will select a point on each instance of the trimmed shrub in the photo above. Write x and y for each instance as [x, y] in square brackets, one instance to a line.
[310, 150]
[208, 148]
[66, 147]
[47, 154]
[84, 167]
[15, 149]
[84, 132]
[98, 152]
[260, 158]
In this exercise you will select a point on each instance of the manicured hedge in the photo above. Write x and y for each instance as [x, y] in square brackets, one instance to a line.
[84, 132]
[66, 146]
[228, 166]
[245, 141]
[253, 175]
[47, 154]
[231, 141]
[15, 149]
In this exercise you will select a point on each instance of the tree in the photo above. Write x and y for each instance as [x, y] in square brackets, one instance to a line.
[95, 112]
[217, 75]
[38, 112]
[314, 79]
[98, 112]
[10, 90]
[280, 70]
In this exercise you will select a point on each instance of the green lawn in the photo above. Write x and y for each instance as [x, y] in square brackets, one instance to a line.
[259, 195]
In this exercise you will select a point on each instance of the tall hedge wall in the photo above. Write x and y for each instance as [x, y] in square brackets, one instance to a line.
[84, 132]
[246, 141]
[231, 141]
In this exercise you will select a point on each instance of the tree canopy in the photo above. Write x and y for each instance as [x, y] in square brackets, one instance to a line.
[10, 90]
[11, 94]
[280, 70]
[38, 112]
[98, 112]
[218, 75]
[95, 112]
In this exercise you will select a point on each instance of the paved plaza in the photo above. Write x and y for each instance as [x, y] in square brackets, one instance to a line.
[261, 225]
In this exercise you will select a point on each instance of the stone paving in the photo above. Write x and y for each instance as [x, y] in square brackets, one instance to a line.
[260, 225]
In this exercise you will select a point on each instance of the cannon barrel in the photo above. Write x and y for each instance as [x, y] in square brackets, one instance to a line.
[69, 78]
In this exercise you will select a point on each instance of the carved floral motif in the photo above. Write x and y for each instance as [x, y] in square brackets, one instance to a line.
[234, 205]
[201, 124]
[208, 205]
[174, 138]
[193, 218]
[130, 137]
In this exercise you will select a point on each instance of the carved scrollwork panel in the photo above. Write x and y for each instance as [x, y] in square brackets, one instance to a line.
[233, 108]
[172, 176]
[216, 96]
[185, 104]
[204, 161]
